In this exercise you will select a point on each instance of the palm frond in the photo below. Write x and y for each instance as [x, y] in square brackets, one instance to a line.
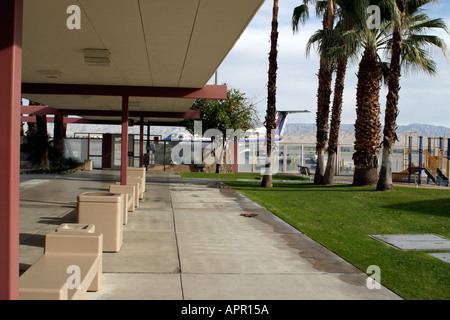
[415, 6]
[426, 24]
[385, 71]
[417, 59]
[299, 16]
[321, 6]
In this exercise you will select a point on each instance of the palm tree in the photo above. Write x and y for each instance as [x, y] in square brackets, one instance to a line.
[59, 133]
[271, 97]
[413, 22]
[300, 14]
[385, 178]
[335, 122]
[369, 76]
[330, 45]
[337, 47]
[372, 67]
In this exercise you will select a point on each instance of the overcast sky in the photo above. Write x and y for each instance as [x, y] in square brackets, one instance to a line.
[423, 99]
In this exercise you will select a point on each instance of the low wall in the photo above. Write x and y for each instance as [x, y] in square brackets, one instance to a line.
[174, 168]
[187, 168]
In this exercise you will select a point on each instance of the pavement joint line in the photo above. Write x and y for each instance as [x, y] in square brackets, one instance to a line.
[176, 239]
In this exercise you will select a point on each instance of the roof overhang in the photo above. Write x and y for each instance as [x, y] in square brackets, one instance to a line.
[162, 52]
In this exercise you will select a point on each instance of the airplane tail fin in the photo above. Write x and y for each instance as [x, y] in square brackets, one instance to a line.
[281, 121]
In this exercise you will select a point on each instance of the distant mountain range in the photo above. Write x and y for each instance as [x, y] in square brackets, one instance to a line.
[295, 132]
[305, 132]
[423, 129]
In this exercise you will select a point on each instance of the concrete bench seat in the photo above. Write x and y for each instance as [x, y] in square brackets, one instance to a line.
[128, 204]
[137, 180]
[137, 172]
[105, 211]
[49, 279]
[137, 187]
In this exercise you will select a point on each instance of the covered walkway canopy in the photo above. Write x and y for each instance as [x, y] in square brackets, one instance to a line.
[144, 59]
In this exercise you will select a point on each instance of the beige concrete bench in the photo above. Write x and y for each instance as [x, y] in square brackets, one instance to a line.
[138, 173]
[129, 198]
[88, 164]
[137, 187]
[137, 180]
[50, 277]
[105, 211]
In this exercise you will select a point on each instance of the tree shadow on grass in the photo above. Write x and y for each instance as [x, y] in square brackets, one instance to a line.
[435, 207]
[292, 187]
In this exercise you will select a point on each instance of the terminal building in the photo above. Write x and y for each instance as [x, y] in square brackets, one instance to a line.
[107, 62]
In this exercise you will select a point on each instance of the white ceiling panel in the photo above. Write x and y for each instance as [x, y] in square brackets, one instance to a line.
[160, 43]
[218, 26]
[168, 37]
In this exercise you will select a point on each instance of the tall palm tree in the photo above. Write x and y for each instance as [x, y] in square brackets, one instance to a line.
[301, 13]
[371, 67]
[337, 47]
[330, 45]
[369, 76]
[413, 22]
[335, 122]
[271, 97]
[385, 178]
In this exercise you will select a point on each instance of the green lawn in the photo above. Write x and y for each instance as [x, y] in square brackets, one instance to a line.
[341, 217]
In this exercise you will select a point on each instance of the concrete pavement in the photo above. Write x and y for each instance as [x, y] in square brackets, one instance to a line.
[188, 240]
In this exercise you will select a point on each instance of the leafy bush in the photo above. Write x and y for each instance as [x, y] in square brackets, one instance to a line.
[58, 164]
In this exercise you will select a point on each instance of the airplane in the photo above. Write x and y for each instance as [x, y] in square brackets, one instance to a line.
[256, 135]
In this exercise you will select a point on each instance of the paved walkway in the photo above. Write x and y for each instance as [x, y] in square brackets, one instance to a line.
[189, 241]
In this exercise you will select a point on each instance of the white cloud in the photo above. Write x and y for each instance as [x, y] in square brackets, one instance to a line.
[423, 99]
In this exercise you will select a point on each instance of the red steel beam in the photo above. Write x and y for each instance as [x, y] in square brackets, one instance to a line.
[207, 92]
[72, 120]
[52, 120]
[11, 12]
[164, 124]
[95, 121]
[41, 110]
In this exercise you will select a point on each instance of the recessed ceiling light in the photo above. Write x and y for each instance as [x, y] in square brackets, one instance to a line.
[50, 74]
[97, 57]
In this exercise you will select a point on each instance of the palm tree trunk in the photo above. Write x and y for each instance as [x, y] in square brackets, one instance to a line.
[323, 100]
[385, 179]
[335, 124]
[323, 111]
[42, 140]
[59, 133]
[271, 97]
[367, 125]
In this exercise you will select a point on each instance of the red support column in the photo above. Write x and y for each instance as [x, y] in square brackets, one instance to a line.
[124, 156]
[147, 161]
[10, 102]
[141, 143]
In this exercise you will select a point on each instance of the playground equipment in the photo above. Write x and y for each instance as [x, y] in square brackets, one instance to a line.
[431, 161]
